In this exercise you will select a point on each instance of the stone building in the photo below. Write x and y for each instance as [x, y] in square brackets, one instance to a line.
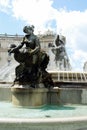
[46, 40]
[6, 40]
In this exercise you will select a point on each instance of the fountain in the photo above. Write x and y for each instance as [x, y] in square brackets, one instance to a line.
[39, 99]
[32, 80]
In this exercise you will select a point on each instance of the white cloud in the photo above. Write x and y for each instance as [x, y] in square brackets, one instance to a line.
[41, 13]
[5, 5]
[37, 12]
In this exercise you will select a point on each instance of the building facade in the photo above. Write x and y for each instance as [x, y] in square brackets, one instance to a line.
[46, 41]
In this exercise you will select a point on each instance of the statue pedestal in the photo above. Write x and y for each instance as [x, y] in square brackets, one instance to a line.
[25, 96]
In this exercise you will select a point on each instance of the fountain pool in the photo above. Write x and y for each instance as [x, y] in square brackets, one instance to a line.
[48, 111]
[65, 116]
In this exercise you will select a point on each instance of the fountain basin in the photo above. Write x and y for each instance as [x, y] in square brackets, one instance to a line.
[44, 124]
[65, 117]
[66, 110]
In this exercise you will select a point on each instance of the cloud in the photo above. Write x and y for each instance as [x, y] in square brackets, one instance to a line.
[41, 13]
[5, 5]
[37, 12]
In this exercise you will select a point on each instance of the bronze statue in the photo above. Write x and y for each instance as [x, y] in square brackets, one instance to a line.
[32, 60]
[61, 56]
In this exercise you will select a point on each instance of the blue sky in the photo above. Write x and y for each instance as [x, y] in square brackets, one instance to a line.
[68, 17]
[71, 4]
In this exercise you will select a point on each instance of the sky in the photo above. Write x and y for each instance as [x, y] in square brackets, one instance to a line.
[66, 17]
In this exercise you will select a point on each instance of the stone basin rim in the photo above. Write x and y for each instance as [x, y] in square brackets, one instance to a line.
[44, 120]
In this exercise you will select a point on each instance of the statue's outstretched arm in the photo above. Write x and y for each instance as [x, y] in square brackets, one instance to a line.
[16, 48]
[19, 46]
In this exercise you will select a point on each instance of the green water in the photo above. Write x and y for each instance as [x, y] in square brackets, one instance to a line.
[7, 110]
